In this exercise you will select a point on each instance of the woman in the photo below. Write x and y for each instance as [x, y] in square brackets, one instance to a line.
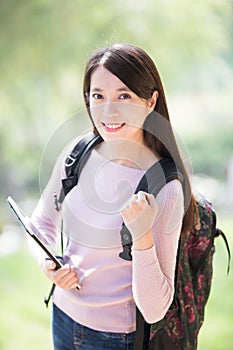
[125, 100]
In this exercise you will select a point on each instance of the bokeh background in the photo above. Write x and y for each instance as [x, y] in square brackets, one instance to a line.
[44, 48]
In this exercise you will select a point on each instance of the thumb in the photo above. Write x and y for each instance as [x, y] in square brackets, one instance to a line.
[50, 265]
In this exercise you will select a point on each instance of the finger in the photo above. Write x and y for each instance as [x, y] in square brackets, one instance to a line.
[142, 196]
[133, 199]
[50, 265]
[61, 273]
[69, 280]
[65, 270]
[151, 200]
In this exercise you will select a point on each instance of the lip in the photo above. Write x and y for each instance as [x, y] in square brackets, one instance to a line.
[113, 127]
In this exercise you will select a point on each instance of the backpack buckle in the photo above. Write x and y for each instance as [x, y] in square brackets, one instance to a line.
[69, 161]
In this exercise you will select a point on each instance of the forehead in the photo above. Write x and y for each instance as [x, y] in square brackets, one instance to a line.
[102, 78]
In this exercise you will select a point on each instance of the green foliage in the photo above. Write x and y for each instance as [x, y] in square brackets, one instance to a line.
[44, 47]
[41, 38]
[211, 151]
[24, 321]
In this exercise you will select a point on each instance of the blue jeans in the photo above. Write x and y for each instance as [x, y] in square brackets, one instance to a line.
[70, 335]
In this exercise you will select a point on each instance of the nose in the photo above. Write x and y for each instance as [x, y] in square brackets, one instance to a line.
[110, 109]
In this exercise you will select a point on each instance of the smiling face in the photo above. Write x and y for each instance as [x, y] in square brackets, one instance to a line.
[116, 111]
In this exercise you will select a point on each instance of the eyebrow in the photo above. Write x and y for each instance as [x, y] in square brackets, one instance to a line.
[123, 88]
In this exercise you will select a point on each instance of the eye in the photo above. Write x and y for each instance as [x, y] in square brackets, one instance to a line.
[125, 96]
[97, 96]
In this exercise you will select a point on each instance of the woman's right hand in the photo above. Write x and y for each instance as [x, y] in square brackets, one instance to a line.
[66, 277]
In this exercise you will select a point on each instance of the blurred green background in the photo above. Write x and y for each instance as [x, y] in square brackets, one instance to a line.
[44, 48]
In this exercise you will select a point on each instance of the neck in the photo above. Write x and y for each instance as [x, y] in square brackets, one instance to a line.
[128, 153]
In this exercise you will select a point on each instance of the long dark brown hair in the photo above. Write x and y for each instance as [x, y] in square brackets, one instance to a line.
[134, 67]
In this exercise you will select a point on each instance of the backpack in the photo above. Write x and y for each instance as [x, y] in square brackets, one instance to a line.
[194, 269]
[178, 330]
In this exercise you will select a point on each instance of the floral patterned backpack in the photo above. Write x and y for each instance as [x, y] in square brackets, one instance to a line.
[185, 316]
[179, 329]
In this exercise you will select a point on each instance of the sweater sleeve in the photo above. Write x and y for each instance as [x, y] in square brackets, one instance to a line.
[154, 268]
[45, 220]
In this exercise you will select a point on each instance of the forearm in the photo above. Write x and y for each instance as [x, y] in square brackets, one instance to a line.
[154, 266]
[152, 290]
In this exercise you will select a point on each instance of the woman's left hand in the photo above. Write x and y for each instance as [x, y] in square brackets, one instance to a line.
[139, 214]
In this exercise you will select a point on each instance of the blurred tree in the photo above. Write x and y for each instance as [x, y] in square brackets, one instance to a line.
[44, 46]
[211, 159]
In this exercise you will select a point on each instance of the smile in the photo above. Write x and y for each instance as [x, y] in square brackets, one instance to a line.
[113, 126]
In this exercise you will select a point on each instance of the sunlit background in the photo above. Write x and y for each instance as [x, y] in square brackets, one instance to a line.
[44, 47]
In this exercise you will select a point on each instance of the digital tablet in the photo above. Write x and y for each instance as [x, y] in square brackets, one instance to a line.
[24, 221]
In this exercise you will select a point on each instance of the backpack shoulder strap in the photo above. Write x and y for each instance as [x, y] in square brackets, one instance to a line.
[75, 162]
[152, 181]
[218, 233]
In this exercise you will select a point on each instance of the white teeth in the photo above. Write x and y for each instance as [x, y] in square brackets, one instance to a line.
[113, 126]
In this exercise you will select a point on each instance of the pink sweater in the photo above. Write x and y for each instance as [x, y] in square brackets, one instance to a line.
[92, 222]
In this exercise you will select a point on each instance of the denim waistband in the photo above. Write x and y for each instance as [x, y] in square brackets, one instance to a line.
[70, 335]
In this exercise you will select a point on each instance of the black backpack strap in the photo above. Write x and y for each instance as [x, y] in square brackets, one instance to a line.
[152, 181]
[75, 162]
[218, 233]
[140, 331]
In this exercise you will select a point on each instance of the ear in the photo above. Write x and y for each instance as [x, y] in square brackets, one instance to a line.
[153, 100]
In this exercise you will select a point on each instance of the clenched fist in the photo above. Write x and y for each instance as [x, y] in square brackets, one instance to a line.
[139, 214]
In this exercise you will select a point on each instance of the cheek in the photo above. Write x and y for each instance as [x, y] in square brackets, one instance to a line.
[96, 113]
[138, 114]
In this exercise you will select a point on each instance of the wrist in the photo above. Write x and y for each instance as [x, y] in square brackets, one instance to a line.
[144, 242]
